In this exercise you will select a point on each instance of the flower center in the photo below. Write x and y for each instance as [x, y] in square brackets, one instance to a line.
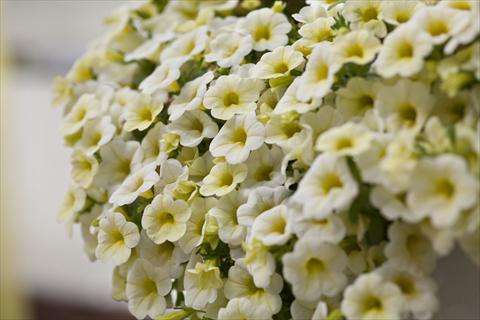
[437, 27]
[372, 303]
[354, 50]
[239, 136]
[230, 99]
[402, 17]
[314, 265]
[262, 32]
[365, 102]
[278, 226]
[445, 188]
[344, 143]
[408, 114]
[369, 14]
[226, 180]
[321, 72]
[405, 50]
[281, 68]
[405, 284]
[263, 173]
[330, 182]
[150, 286]
[165, 218]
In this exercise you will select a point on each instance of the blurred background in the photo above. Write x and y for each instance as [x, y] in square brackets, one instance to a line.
[44, 274]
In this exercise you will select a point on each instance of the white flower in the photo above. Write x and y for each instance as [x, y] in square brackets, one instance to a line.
[146, 288]
[403, 52]
[268, 29]
[242, 308]
[471, 29]
[365, 15]
[260, 200]
[96, 133]
[150, 48]
[223, 178]
[190, 97]
[136, 184]
[166, 219]
[237, 138]
[152, 144]
[357, 98]
[201, 285]
[119, 160]
[240, 284]
[259, 262]
[289, 101]
[348, 139]
[440, 22]
[193, 127]
[393, 206]
[186, 46]
[116, 238]
[319, 73]
[370, 297]
[264, 168]
[84, 168]
[195, 231]
[272, 227]
[231, 95]
[417, 291]
[399, 12]
[358, 47]
[277, 63]
[87, 107]
[228, 49]
[442, 189]
[314, 269]
[317, 31]
[142, 112]
[331, 229]
[310, 13]
[225, 212]
[409, 249]
[404, 105]
[163, 76]
[327, 186]
[73, 203]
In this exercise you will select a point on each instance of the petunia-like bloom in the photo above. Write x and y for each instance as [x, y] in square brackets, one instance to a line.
[190, 97]
[96, 133]
[226, 214]
[136, 184]
[146, 289]
[166, 219]
[72, 204]
[327, 186]
[359, 47]
[370, 297]
[357, 97]
[223, 178]
[317, 31]
[277, 63]
[201, 284]
[289, 101]
[366, 15]
[273, 227]
[443, 188]
[331, 229]
[400, 12]
[116, 238]
[264, 168]
[403, 52]
[347, 139]
[84, 168]
[186, 46]
[268, 29]
[314, 269]
[163, 76]
[193, 127]
[237, 138]
[228, 49]
[319, 73]
[242, 308]
[152, 145]
[142, 112]
[231, 95]
[87, 107]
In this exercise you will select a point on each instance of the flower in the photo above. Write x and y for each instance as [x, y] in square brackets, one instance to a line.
[358, 47]
[190, 97]
[443, 188]
[272, 227]
[315, 269]
[238, 136]
[327, 186]
[222, 179]
[116, 238]
[84, 168]
[142, 112]
[186, 46]
[201, 284]
[399, 12]
[317, 31]
[162, 77]
[226, 214]
[403, 52]
[135, 185]
[289, 101]
[242, 308]
[165, 219]
[87, 107]
[268, 29]
[193, 127]
[331, 229]
[228, 49]
[319, 73]
[277, 63]
[264, 167]
[95, 134]
[348, 139]
[365, 15]
[146, 288]
[232, 95]
[369, 297]
[152, 147]
[73, 203]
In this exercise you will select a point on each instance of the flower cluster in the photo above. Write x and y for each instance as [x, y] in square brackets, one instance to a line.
[256, 159]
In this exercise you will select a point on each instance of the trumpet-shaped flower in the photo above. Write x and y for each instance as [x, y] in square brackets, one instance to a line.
[366, 15]
[193, 127]
[116, 238]
[315, 269]
[96, 133]
[359, 47]
[243, 308]
[186, 46]
[84, 168]
[231, 95]
[237, 138]
[348, 139]
[195, 231]
[273, 227]
[72, 204]
[289, 101]
[142, 112]
[277, 63]
[223, 179]
[268, 29]
[264, 167]
[152, 145]
[162, 77]
[166, 219]
[228, 49]
[201, 284]
[87, 107]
